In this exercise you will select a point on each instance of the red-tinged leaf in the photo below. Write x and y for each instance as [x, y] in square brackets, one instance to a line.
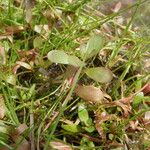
[146, 89]
[90, 93]
[15, 68]
[70, 73]
[2, 107]
[59, 145]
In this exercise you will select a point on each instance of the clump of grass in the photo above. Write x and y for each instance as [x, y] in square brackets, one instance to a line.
[73, 76]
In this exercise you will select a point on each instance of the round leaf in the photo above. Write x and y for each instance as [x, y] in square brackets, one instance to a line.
[38, 41]
[99, 74]
[89, 93]
[57, 56]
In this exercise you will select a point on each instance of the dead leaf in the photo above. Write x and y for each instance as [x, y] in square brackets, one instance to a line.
[107, 29]
[117, 7]
[147, 115]
[16, 133]
[13, 30]
[17, 3]
[135, 125]
[126, 107]
[89, 93]
[28, 15]
[29, 4]
[6, 37]
[28, 59]
[2, 56]
[21, 128]
[99, 119]
[124, 103]
[146, 89]
[17, 138]
[24, 145]
[59, 145]
[97, 140]
[24, 64]
[2, 107]
[51, 121]
[44, 30]
[9, 31]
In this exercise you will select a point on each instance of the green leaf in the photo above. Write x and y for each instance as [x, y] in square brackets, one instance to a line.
[99, 74]
[71, 128]
[57, 56]
[83, 113]
[86, 143]
[138, 99]
[38, 42]
[94, 45]
[75, 61]
[90, 129]
[31, 91]
[11, 79]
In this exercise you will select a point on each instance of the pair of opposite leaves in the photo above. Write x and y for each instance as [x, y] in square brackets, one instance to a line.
[94, 45]
[99, 74]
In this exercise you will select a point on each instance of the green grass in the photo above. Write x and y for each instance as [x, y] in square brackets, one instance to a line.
[38, 93]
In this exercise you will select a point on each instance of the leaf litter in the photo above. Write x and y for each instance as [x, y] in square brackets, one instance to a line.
[88, 68]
